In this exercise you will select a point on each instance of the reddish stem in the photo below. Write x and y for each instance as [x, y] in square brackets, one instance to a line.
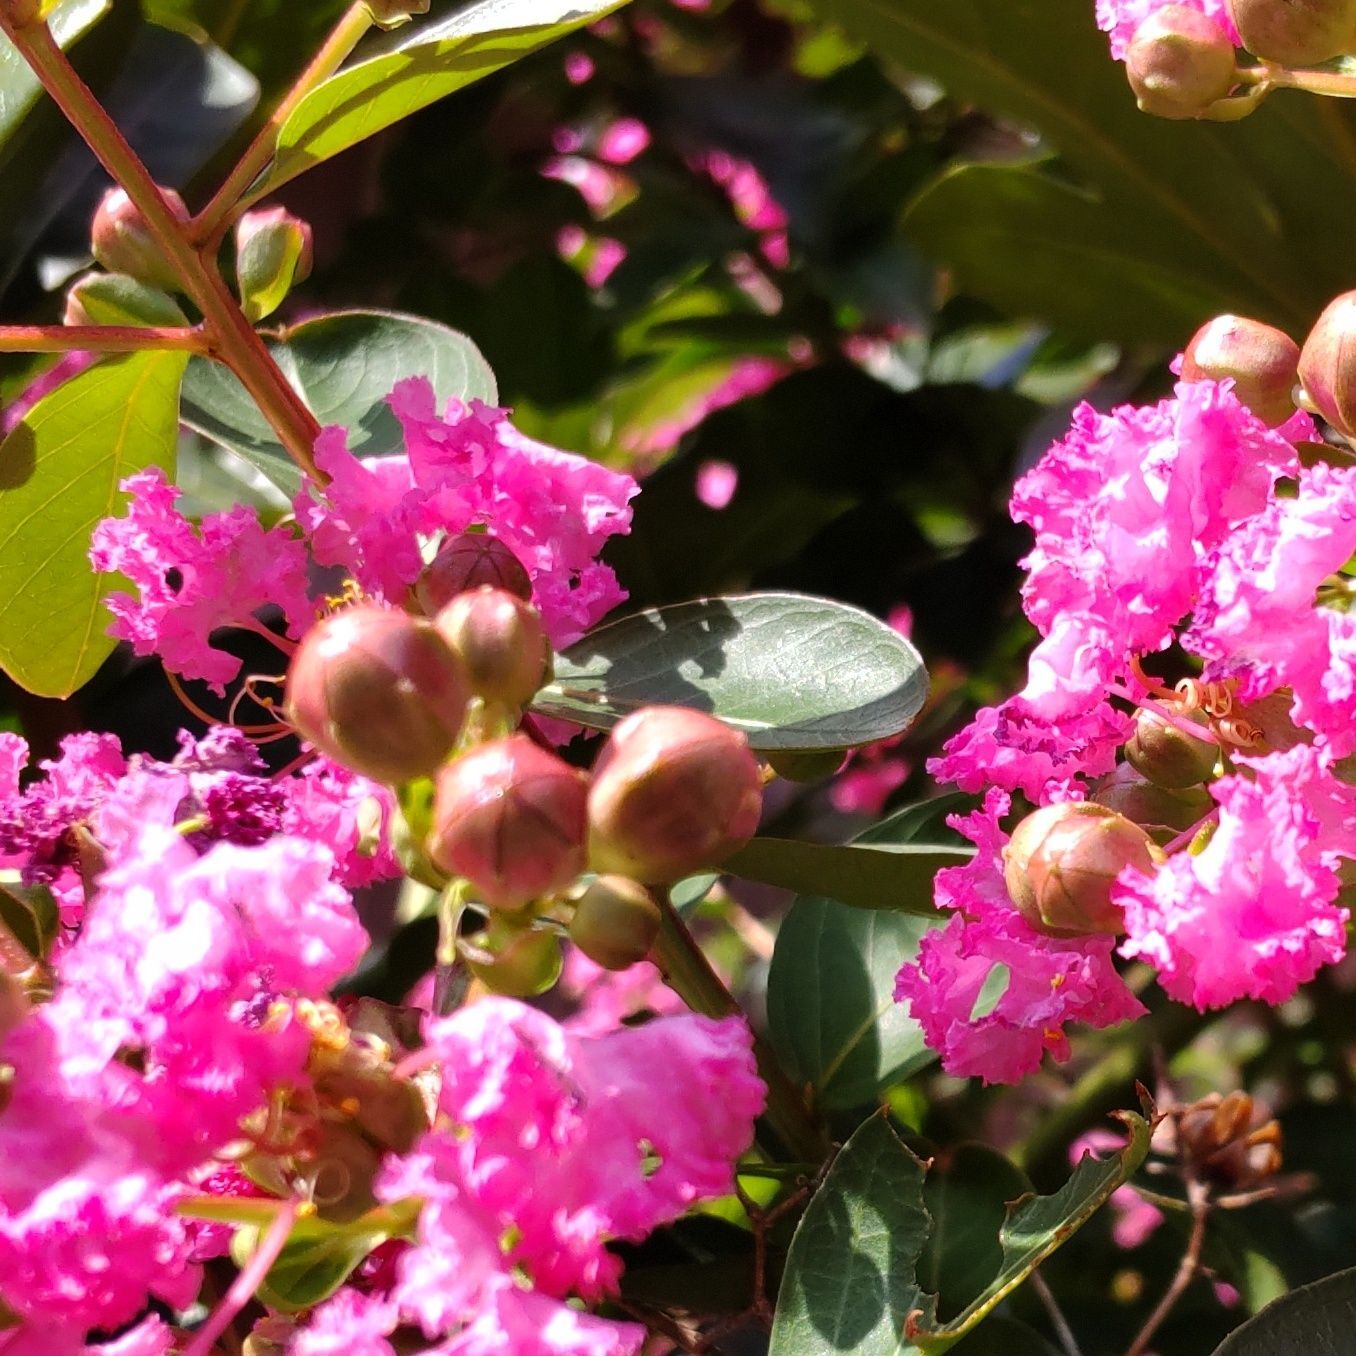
[100, 338]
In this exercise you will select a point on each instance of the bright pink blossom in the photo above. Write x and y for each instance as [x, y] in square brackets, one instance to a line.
[191, 580]
[471, 467]
[1257, 621]
[1120, 18]
[1253, 914]
[1024, 986]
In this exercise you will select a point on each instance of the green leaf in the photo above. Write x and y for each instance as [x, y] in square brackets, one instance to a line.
[1014, 236]
[790, 671]
[59, 475]
[866, 876]
[344, 366]
[116, 299]
[19, 87]
[831, 1010]
[320, 1255]
[832, 1013]
[426, 63]
[1315, 1320]
[1223, 204]
[851, 1285]
[967, 1193]
[30, 913]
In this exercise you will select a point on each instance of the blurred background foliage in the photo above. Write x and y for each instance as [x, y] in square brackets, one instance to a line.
[845, 264]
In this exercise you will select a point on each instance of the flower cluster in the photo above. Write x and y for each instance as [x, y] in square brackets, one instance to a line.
[376, 519]
[1189, 530]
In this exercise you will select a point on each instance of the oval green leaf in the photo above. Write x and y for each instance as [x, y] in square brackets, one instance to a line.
[59, 474]
[424, 64]
[831, 1007]
[1315, 1320]
[343, 365]
[790, 671]
[19, 87]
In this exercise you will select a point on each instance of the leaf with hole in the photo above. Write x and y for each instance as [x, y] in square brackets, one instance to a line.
[60, 470]
[851, 1285]
[343, 365]
[420, 65]
[790, 671]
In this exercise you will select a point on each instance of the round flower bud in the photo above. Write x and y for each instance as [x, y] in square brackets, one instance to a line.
[273, 252]
[674, 790]
[122, 242]
[1166, 754]
[378, 691]
[517, 964]
[1162, 813]
[1295, 32]
[615, 922]
[501, 641]
[1179, 62]
[1062, 861]
[797, 765]
[1262, 361]
[510, 818]
[1327, 365]
[467, 562]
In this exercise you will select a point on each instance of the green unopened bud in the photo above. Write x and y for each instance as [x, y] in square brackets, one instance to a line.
[1166, 754]
[394, 13]
[122, 242]
[615, 922]
[501, 641]
[1262, 362]
[116, 299]
[272, 254]
[799, 766]
[1163, 814]
[515, 962]
[1061, 864]
[1327, 365]
[1179, 62]
[1295, 32]
[674, 791]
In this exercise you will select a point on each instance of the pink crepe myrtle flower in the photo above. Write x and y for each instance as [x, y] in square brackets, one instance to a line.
[623, 140]
[717, 482]
[1256, 622]
[1049, 981]
[1133, 1219]
[470, 467]
[606, 998]
[191, 580]
[1120, 18]
[1253, 914]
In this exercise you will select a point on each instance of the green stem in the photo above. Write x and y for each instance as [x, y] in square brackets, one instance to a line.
[1332, 83]
[231, 338]
[99, 338]
[208, 227]
[689, 974]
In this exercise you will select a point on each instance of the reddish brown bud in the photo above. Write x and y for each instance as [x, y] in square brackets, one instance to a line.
[1295, 32]
[1179, 62]
[122, 242]
[501, 641]
[1217, 1134]
[674, 790]
[518, 963]
[467, 562]
[510, 817]
[1262, 361]
[615, 922]
[378, 691]
[1062, 861]
[1166, 754]
[1327, 365]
